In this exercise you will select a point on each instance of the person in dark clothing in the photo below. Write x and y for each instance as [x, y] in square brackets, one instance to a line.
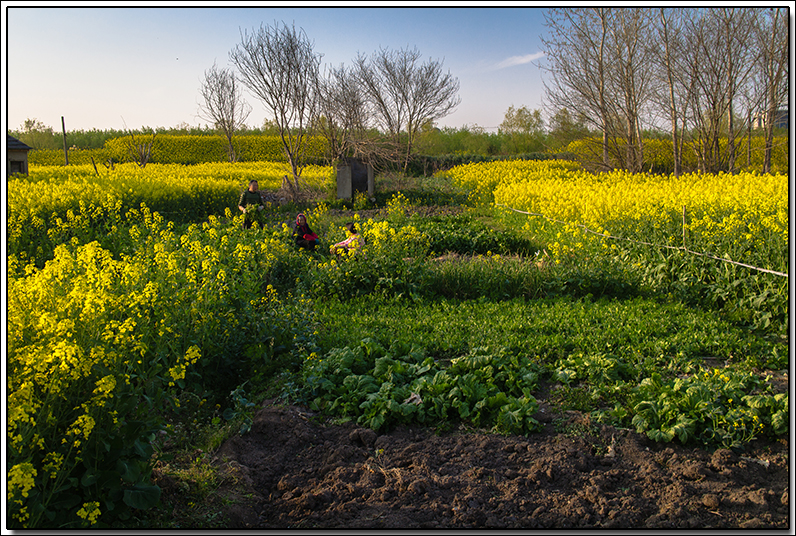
[250, 196]
[304, 236]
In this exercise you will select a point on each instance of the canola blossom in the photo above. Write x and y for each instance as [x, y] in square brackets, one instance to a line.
[55, 203]
[97, 341]
[743, 215]
[481, 179]
[123, 307]
[162, 187]
[183, 149]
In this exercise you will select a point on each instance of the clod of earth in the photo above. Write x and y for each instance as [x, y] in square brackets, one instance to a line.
[302, 473]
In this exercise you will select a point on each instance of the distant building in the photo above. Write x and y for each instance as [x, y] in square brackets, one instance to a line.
[781, 120]
[16, 156]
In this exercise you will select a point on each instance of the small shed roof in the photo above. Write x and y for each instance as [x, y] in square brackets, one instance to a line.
[15, 144]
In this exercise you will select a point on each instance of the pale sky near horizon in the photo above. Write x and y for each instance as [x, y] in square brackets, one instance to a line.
[109, 67]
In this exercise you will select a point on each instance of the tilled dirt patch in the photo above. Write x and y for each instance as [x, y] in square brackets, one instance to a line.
[293, 470]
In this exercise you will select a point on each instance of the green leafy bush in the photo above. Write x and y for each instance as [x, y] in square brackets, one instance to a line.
[466, 235]
[381, 388]
[193, 149]
[715, 407]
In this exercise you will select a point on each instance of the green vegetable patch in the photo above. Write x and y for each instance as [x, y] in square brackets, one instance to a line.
[381, 388]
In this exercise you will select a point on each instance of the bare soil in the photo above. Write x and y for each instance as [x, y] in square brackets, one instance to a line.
[297, 470]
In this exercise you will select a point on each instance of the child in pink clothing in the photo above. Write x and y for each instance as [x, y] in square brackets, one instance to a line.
[350, 244]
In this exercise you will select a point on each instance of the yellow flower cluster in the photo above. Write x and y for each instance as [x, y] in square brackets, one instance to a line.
[21, 480]
[177, 372]
[191, 149]
[384, 239]
[183, 149]
[396, 206]
[742, 212]
[88, 325]
[54, 200]
[481, 179]
[90, 512]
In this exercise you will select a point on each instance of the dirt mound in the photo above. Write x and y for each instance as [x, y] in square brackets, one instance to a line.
[294, 470]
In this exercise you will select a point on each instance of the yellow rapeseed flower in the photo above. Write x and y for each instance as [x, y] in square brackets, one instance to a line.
[90, 512]
[21, 480]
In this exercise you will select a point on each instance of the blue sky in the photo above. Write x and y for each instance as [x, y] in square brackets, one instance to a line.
[115, 67]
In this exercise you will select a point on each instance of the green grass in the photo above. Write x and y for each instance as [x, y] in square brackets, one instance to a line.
[548, 328]
[606, 339]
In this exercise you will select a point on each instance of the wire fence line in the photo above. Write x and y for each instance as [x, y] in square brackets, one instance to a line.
[678, 248]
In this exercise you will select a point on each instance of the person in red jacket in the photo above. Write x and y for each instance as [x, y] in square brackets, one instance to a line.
[304, 236]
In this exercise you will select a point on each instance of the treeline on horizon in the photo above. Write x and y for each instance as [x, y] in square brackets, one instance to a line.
[513, 138]
[522, 131]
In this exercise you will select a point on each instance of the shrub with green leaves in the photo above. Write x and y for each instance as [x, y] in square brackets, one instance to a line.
[101, 343]
[390, 263]
[382, 388]
[466, 235]
[716, 407]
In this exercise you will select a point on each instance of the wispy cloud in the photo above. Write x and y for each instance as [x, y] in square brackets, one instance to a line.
[517, 60]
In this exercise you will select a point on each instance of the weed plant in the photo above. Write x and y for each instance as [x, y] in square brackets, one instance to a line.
[641, 330]
[141, 335]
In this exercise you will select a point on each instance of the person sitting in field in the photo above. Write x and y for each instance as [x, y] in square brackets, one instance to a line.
[351, 245]
[303, 235]
[251, 196]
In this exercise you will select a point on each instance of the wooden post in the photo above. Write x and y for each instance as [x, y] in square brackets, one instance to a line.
[66, 153]
[684, 227]
[749, 142]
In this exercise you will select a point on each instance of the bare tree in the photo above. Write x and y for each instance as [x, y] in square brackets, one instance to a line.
[773, 67]
[669, 61]
[223, 104]
[347, 121]
[432, 95]
[697, 65]
[404, 94]
[632, 78]
[577, 52]
[719, 64]
[343, 112]
[279, 66]
[737, 24]
[601, 62]
[139, 150]
[380, 76]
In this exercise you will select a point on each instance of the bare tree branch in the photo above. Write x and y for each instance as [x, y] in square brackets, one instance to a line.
[403, 94]
[223, 104]
[343, 112]
[278, 65]
[773, 68]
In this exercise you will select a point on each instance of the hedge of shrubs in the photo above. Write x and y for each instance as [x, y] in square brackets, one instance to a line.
[427, 165]
[191, 149]
[658, 156]
[194, 149]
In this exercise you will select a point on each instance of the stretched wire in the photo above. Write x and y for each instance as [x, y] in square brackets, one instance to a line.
[678, 248]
